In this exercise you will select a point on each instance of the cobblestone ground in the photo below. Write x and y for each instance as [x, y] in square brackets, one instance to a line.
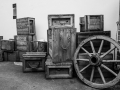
[12, 78]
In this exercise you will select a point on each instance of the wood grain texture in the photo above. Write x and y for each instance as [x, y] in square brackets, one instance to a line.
[61, 44]
[80, 36]
[8, 45]
[61, 20]
[64, 70]
[26, 26]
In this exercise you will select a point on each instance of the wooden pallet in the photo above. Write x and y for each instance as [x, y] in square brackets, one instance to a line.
[60, 70]
[34, 61]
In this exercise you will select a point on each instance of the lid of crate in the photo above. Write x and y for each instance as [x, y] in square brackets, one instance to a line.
[34, 54]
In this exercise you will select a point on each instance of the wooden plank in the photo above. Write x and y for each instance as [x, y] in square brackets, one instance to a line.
[55, 49]
[61, 44]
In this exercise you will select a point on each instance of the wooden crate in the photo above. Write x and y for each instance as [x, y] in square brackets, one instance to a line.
[34, 61]
[61, 20]
[25, 26]
[1, 55]
[8, 45]
[11, 56]
[61, 70]
[42, 46]
[92, 23]
[80, 36]
[61, 44]
[23, 42]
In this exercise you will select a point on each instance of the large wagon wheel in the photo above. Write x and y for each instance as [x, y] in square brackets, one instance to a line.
[96, 63]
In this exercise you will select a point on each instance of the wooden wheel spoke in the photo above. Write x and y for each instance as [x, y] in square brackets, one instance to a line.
[102, 56]
[86, 51]
[101, 45]
[84, 68]
[109, 70]
[111, 61]
[92, 73]
[100, 72]
[78, 59]
[92, 46]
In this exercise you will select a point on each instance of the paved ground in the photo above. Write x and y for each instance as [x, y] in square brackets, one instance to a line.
[12, 78]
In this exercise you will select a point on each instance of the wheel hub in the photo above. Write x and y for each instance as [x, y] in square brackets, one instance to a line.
[95, 60]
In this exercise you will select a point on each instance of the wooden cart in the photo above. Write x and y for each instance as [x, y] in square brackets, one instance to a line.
[95, 68]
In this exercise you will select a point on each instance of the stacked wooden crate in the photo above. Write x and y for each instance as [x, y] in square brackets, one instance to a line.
[8, 50]
[25, 34]
[92, 23]
[61, 37]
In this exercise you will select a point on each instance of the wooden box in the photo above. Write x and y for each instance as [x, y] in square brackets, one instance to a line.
[61, 20]
[23, 42]
[92, 23]
[8, 45]
[61, 44]
[25, 26]
[11, 56]
[34, 61]
[1, 55]
[61, 70]
[80, 36]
